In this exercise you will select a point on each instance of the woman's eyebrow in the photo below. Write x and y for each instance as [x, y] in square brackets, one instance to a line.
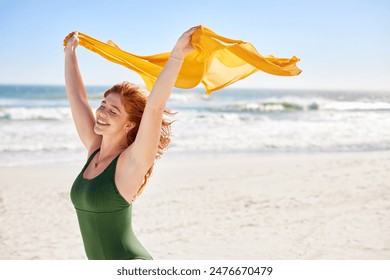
[112, 106]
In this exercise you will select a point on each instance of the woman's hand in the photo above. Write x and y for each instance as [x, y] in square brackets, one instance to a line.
[184, 45]
[72, 42]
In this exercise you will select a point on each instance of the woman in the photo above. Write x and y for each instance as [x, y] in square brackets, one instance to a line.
[123, 141]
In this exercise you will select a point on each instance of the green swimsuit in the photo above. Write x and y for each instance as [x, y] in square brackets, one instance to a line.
[105, 217]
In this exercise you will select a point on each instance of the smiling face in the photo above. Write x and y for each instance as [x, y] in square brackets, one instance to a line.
[111, 116]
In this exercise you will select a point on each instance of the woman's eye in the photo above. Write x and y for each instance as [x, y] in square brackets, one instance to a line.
[112, 112]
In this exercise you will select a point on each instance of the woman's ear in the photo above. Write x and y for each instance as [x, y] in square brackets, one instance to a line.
[129, 126]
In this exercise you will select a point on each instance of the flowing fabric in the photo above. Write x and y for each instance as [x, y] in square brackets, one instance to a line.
[216, 62]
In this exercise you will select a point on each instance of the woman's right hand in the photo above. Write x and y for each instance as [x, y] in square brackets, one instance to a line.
[72, 42]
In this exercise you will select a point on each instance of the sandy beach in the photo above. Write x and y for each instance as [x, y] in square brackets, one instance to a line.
[237, 206]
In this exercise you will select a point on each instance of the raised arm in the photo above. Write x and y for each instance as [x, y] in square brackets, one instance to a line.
[144, 148]
[81, 111]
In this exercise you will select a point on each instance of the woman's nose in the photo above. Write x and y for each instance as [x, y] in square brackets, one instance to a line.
[102, 111]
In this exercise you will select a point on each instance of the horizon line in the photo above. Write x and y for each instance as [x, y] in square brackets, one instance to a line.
[226, 88]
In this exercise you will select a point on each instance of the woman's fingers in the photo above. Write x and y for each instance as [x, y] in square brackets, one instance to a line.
[72, 36]
[186, 35]
[192, 30]
[72, 40]
[184, 45]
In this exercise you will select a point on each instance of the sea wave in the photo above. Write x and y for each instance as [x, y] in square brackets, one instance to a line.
[286, 106]
[271, 107]
[40, 113]
[357, 106]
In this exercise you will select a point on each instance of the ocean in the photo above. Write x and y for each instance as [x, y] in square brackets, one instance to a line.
[36, 124]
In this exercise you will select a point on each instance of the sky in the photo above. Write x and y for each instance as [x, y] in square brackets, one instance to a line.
[342, 44]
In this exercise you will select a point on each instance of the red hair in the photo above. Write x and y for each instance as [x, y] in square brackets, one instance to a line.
[134, 100]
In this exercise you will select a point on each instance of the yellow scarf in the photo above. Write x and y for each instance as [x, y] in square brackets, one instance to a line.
[216, 61]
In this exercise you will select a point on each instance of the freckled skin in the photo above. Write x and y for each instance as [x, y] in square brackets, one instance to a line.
[116, 119]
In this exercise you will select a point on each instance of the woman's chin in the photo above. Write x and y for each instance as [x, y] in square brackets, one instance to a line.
[97, 130]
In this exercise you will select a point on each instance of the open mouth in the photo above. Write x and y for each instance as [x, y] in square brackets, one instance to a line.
[101, 122]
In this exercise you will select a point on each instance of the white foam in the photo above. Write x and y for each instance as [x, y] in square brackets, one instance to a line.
[357, 105]
[40, 113]
[39, 130]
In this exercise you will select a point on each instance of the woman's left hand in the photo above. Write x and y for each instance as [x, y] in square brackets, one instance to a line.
[184, 45]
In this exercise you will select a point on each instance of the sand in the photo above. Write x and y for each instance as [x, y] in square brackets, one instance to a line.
[205, 206]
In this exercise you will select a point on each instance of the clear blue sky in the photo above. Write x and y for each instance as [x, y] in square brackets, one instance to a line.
[342, 44]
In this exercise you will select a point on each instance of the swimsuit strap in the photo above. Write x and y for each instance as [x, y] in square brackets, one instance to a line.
[93, 154]
[90, 158]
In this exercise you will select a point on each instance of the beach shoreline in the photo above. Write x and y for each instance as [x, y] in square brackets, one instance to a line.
[215, 206]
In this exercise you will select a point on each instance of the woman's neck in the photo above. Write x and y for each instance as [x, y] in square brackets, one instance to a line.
[109, 147]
